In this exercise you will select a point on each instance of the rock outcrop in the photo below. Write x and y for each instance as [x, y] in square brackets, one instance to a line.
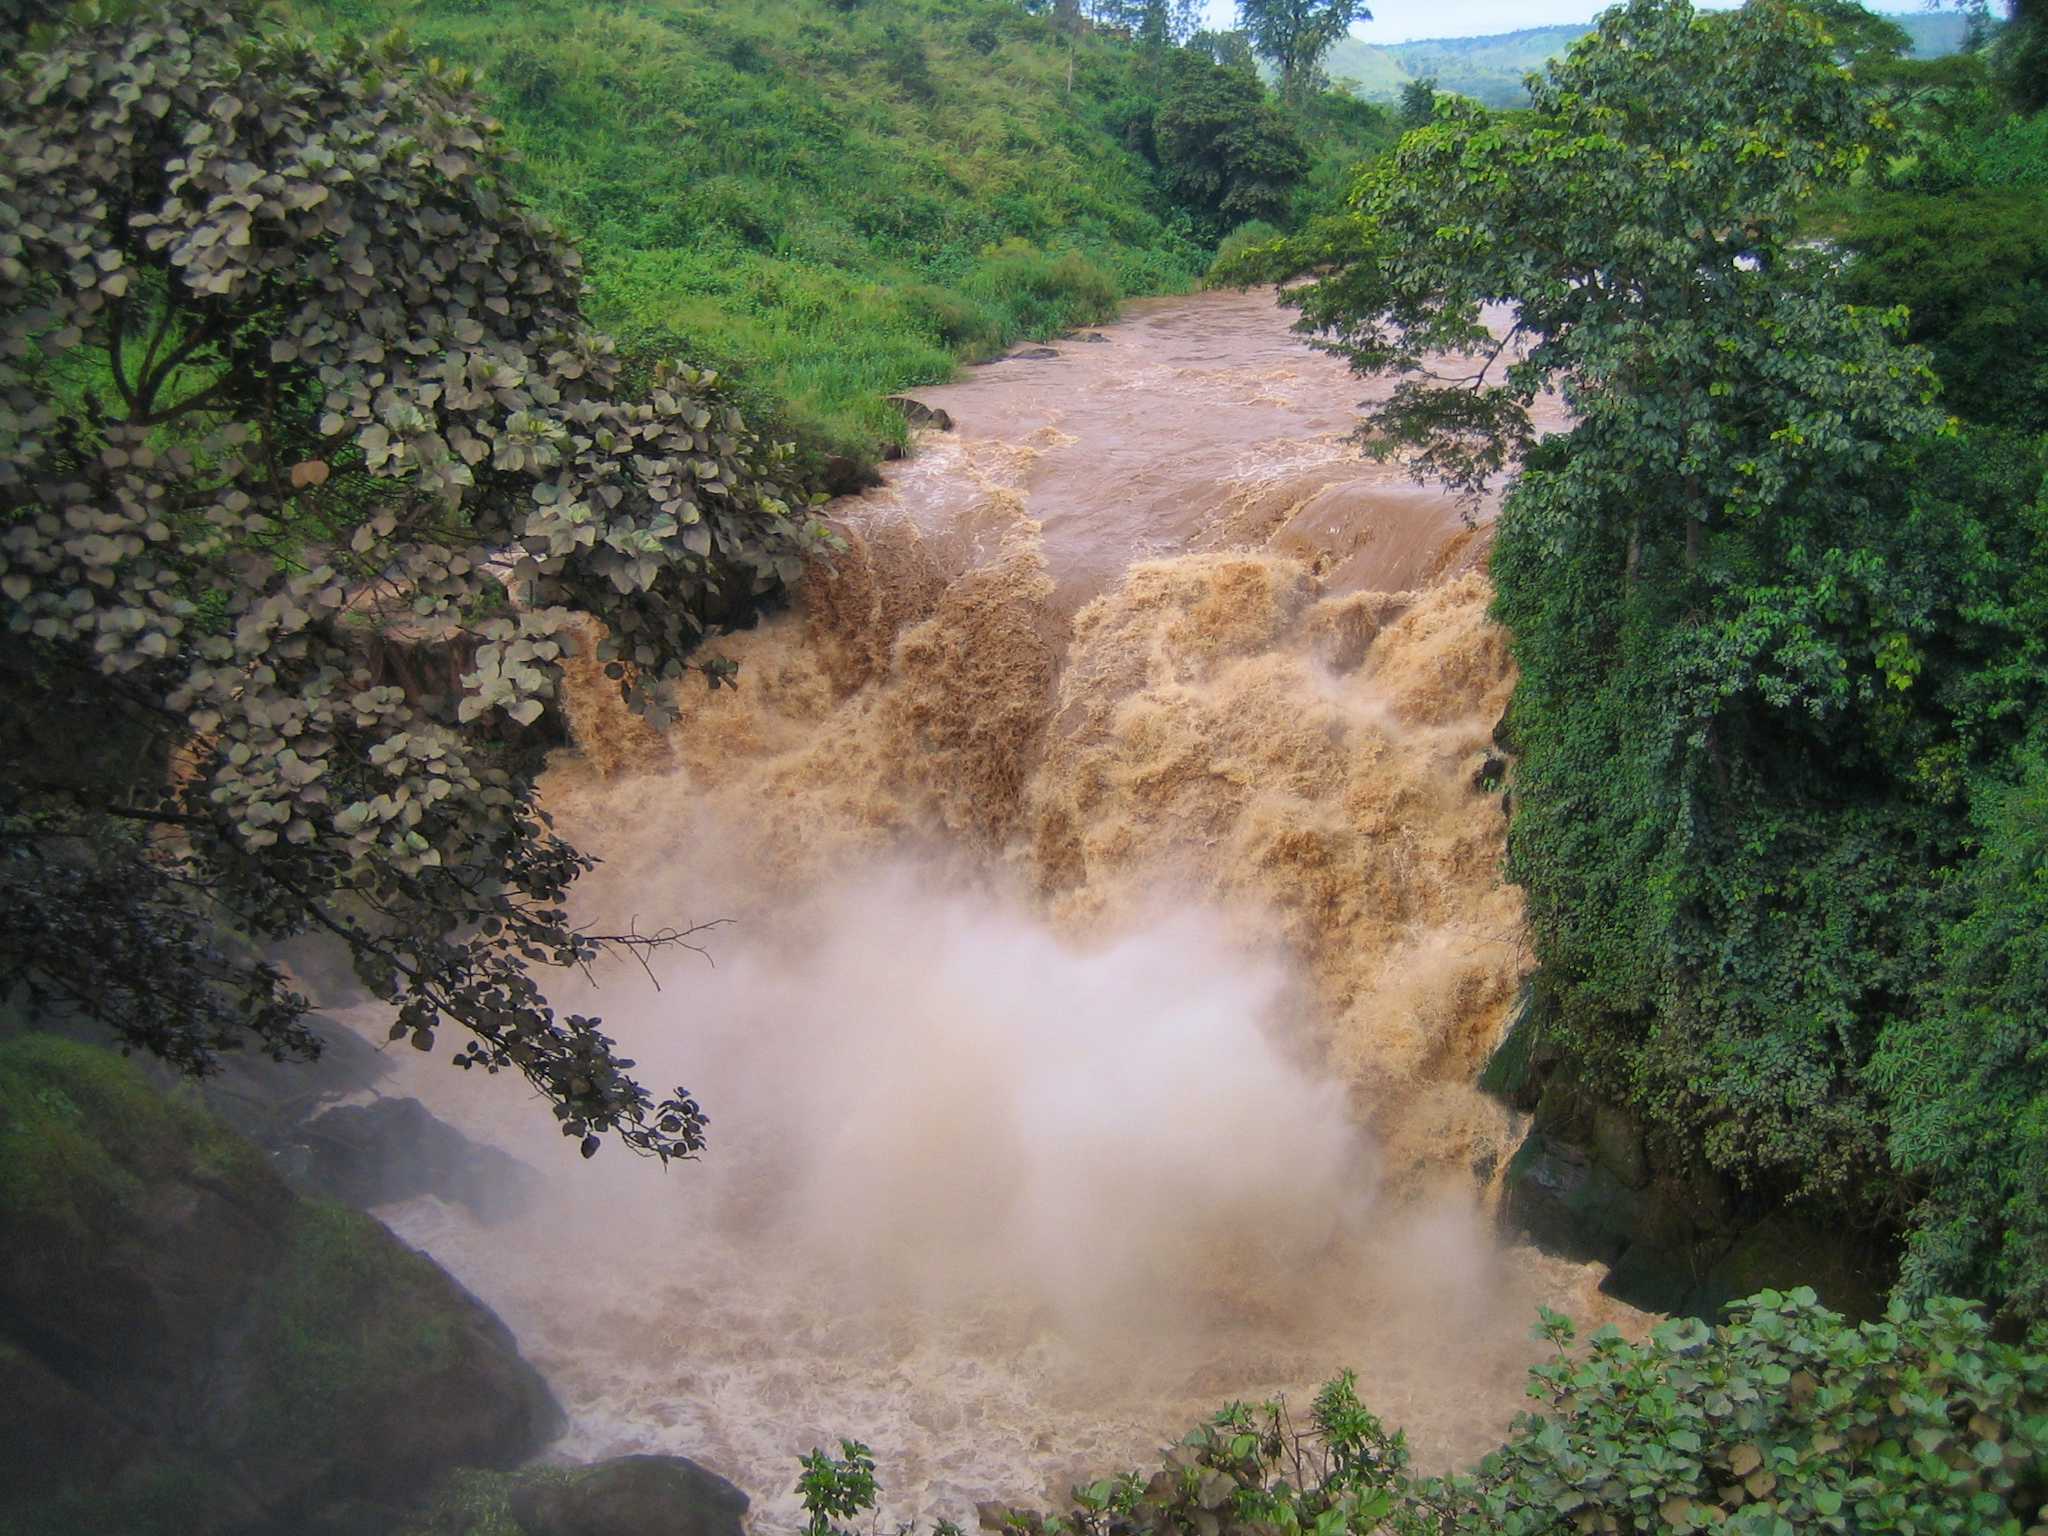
[396, 1149]
[188, 1346]
[1587, 1184]
[918, 414]
[630, 1496]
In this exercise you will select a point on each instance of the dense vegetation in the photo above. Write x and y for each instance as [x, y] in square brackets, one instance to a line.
[833, 202]
[1779, 614]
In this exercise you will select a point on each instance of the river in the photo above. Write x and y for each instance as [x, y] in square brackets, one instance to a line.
[1116, 930]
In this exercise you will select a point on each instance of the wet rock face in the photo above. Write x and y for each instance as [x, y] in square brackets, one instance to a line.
[1587, 1184]
[631, 1496]
[216, 1354]
[394, 1149]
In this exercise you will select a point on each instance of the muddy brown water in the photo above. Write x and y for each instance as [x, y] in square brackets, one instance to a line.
[1116, 931]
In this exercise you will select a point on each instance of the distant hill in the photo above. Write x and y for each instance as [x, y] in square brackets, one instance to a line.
[1490, 69]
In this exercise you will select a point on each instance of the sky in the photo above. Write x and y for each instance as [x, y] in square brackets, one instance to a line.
[1401, 21]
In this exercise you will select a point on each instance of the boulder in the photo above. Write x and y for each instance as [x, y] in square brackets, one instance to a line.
[1516, 1070]
[844, 475]
[630, 1496]
[1618, 1145]
[1784, 1250]
[1558, 1198]
[1588, 1184]
[396, 1149]
[267, 1101]
[918, 414]
[224, 1355]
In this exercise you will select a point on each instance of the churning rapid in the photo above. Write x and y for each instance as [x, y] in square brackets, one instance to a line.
[1117, 930]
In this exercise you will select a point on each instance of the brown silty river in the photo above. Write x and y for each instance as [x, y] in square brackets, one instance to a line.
[1116, 935]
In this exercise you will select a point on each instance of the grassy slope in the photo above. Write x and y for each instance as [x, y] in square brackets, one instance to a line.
[832, 204]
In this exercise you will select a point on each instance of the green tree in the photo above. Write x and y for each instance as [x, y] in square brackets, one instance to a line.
[1967, 1076]
[1230, 50]
[2022, 55]
[1418, 101]
[1294, 35]
[1225, 154]
[1169, 23]
[283, 363]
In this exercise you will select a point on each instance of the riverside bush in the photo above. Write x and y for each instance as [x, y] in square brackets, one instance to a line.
[1785, 1419]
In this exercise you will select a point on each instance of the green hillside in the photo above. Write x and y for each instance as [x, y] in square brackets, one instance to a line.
[1490, 69]
[831, 203]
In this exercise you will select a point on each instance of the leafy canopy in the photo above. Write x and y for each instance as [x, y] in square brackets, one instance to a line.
[1294, 35]
[1640, 222]
[1224, 153]
[283, 365]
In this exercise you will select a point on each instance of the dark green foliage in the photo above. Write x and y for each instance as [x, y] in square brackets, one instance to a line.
[1224, 153]
[836, 1488]
[1737, 904]
[1972, 266]
[1418, 101]
[1342, 134]
[1231, 50]
[1966, 1078]
[2022, 56]
[1783, 1419]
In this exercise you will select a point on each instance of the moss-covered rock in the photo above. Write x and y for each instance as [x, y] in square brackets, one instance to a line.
[625, 1496]
[631, 1496]
[1850, 1274]
[1559, 1199]
[191, 1347]
[1587, 1183]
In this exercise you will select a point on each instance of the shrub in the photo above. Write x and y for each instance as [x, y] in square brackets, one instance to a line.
[1252, 232]
[1785, 1419]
